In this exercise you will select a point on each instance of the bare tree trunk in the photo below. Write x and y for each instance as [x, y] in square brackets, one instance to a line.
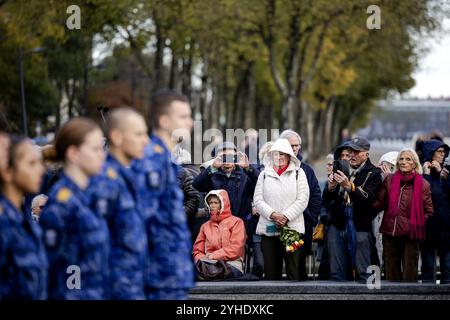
[328, 132]
[250, 105]
[159, 54]
[309, 131]
[186, 85]
[215, 103]
[203, 101]
[173, 70]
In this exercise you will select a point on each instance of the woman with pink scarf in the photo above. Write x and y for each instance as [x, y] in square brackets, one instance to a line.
[405, 198]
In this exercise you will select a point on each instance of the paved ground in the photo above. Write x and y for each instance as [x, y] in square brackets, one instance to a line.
[316, 290]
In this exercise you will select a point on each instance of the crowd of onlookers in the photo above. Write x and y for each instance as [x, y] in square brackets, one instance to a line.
[385, 214]
[135, 219]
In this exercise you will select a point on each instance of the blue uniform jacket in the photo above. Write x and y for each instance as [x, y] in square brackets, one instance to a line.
[23, 261]
[170, 264]
[114, 196]
[77, 239]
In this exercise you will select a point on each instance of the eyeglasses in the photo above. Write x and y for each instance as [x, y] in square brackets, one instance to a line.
[440, 151]
[351, 151]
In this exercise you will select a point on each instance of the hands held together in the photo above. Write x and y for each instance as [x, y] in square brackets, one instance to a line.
[280, 219]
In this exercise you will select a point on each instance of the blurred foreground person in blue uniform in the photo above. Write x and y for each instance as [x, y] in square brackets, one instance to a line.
[170, 272]
[76, 237]
[23, 261]
[114, 196]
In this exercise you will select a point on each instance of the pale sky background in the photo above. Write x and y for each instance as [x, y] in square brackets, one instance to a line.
[433, 75]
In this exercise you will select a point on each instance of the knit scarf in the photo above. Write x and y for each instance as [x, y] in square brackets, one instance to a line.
[417, 220]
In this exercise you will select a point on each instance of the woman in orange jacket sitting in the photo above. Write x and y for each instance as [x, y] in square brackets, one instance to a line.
[223, 236]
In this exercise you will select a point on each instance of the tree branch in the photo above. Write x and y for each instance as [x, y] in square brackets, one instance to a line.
[294, 38]
[136, 50]
[270, 13]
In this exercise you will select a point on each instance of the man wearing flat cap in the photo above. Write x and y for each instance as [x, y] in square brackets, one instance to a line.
[360, 189]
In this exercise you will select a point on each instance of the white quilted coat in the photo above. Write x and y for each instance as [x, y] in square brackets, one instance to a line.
[284, 193]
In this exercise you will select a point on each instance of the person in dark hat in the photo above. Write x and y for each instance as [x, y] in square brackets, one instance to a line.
[360, 189]
[437, 228]
[232, 172]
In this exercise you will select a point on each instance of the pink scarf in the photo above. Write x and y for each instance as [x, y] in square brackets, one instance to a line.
[417, 220]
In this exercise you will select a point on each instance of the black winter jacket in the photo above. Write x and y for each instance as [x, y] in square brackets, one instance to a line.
[362, 199]
[191, 195]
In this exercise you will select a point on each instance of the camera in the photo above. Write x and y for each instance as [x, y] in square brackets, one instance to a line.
[341, 165]
[229, 158]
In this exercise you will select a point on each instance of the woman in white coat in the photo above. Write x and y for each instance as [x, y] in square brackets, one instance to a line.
[281, 196]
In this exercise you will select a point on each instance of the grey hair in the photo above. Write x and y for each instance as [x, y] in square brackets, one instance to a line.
[37, 198]
[415, 157]
[330, 157]
[264, 150]
[286, 134]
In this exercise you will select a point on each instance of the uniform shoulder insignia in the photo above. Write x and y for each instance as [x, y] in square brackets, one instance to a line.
[63, 195]
[158, 149]
[111, 173]
[1, 210]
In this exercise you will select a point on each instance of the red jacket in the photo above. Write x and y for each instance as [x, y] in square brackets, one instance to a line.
[223, 236]
[399, 226]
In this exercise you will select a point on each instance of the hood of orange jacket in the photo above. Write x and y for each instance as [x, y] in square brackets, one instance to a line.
[225, 207]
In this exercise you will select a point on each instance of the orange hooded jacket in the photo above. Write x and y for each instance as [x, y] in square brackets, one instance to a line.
[223, 236]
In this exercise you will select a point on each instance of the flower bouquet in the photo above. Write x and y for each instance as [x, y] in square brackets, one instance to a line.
[291, 239]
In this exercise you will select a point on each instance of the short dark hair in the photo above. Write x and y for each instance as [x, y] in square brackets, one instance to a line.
[211, 196]
[160, 103]
[117, 117]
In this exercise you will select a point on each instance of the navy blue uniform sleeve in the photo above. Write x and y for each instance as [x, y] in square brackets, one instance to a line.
[52, 224]
[2, 256]
[203, 181]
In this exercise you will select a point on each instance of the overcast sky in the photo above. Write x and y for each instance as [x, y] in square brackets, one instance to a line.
[433, 76]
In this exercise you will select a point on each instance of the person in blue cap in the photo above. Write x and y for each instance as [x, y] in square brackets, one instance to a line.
[76, 237]
[115, 196]
[23, 261]
[170, 271]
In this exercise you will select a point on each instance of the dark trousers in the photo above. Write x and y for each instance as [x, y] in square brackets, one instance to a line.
[302, 274]
[274, 253]
[324, 266]
[401, 258]
[339, 257]
[428, 251]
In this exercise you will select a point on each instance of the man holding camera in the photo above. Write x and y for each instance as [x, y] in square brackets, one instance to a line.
[232, 172]
[358, 188]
